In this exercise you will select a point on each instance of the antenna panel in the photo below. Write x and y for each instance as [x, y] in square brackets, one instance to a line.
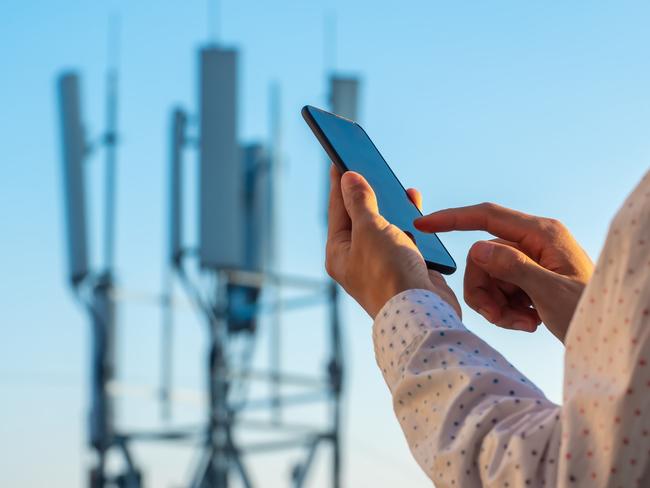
[259, 206]
[221, 200]
[73, 149]
[177, 139]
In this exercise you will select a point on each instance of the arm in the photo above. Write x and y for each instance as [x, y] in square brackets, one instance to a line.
[468, 386]
[469, 417]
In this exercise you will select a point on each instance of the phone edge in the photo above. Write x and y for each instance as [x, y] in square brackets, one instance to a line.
[324, 141]
[447, 270]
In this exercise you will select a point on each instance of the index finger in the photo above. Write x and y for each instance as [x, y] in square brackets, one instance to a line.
[495, 219]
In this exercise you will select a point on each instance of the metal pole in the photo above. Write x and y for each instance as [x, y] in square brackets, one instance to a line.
[102, 371]
[166, 345]
[274, 251]
[175, 254]
[301, 470]
[237, 461]
[336, 383]
[216, 475]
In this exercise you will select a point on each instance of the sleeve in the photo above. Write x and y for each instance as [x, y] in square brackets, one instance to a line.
[470, 418]
[606, 412]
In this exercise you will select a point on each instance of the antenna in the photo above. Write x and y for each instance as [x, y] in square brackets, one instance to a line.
[178, 127]
[221, 202]
[259, 210]
[275, 197]
[213, 17]
[73, 150]
[275, 172]
[110, 141]
[177, 137]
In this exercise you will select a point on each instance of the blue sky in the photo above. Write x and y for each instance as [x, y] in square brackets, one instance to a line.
[543, 107]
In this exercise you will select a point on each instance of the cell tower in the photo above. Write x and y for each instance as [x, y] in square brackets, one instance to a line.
[237, 246]
[232, 276]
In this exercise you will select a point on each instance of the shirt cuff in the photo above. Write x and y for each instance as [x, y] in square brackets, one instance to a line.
[403, 322]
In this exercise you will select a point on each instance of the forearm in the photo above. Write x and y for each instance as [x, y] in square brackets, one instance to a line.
[470, 418]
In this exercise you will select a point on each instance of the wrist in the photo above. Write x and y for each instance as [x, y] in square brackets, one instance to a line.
[399, 285]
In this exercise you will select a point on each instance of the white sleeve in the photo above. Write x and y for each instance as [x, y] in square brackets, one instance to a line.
[470, 418]
[606, 413]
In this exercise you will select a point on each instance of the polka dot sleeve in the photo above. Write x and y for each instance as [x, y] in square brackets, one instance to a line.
[606, 413]
[470, 418]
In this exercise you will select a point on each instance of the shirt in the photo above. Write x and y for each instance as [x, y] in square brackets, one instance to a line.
[472, 420]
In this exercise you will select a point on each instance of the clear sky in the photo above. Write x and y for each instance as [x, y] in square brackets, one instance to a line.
[541, 106]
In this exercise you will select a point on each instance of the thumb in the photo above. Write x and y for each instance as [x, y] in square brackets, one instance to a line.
[358, 197]
[510, 265]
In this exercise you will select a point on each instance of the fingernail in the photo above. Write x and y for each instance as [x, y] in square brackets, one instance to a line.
[485, 314]
[482, 251]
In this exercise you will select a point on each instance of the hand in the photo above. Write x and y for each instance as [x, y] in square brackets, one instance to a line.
[535, 271]
[371, 259]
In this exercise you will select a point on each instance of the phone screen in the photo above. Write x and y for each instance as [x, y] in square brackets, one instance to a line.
[353, 150]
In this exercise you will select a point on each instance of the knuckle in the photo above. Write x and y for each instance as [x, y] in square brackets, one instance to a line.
[508, 261]
[489, 207]
[556, 225]
[550, 226]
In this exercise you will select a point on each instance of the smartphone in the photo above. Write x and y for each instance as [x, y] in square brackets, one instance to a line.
[350, 149]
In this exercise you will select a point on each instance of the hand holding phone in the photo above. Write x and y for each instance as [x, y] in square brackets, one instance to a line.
[370, 258]
[350, 149]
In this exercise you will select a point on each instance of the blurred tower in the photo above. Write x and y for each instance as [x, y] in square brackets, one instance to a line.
[93, 285]
[238, 192]
[231, 274]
